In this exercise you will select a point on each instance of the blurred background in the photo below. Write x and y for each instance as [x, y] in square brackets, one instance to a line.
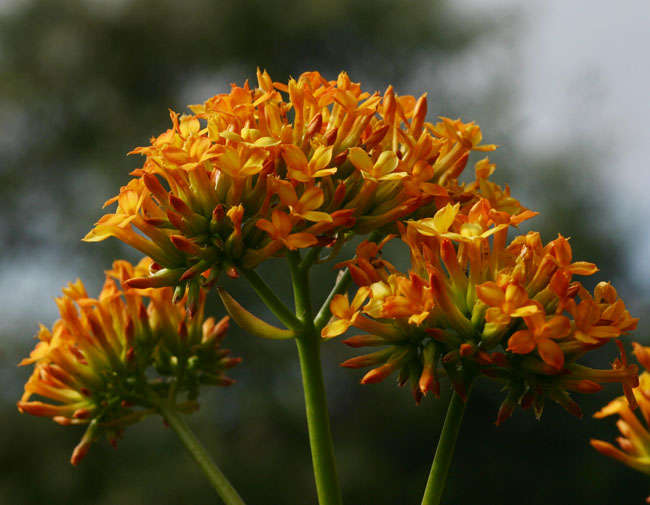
[561, 86]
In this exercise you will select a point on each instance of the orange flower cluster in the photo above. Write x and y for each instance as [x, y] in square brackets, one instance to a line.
[472, 305]
[634, 441]
[251, 174]
[93, 366]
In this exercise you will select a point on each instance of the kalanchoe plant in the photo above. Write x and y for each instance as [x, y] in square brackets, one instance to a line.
[295, 170]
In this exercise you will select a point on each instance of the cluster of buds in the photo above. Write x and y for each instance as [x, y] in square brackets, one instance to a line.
[473, 305]
[96, 366]
[634, 441]
[250, 175]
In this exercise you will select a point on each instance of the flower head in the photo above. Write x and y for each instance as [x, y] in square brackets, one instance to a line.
[471, 305]
[96, 366]
[634, 443]
[258, 171]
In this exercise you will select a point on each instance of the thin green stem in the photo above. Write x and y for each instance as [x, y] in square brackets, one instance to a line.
[218, 480]
[320, 437]
[271, 301]
[444, 451]
[341, 285]
[324, 313]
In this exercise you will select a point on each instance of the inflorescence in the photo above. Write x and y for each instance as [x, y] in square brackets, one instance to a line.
[310, 164]
[110, 360]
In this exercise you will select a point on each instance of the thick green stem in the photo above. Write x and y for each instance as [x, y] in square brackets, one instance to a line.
[271, 301]
[218, 480]
[308, 342]
[301, 293]
[444, 451]
[320, 437]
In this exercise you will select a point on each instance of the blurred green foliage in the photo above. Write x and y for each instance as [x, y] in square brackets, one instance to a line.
[83, 82]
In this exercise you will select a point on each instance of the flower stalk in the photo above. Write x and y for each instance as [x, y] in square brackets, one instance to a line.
[320, 437]
[205, 462]
[444, 451]
[308, 344]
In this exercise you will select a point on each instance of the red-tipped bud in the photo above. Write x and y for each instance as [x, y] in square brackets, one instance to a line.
[378, 374]
[365, 340]
[584, 386]
[340, 158]
[467, 350]
[314, 125]
[377, 136]
[419, 115]
[505, 411]
[80, 452]
[330, 136]
[185, 245]
[153, 184]
[218, 214]
[180, 206]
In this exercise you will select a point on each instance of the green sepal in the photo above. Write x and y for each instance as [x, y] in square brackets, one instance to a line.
[250, 322]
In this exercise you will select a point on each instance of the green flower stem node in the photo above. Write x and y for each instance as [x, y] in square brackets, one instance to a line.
[218, 480]
[444, 451]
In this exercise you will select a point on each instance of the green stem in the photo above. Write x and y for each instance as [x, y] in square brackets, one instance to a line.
[342, 284]
[320, 437]
[218, 480]
[301, 294]
[308, 343]
[310, 258]
[444, 451]
[271, 301]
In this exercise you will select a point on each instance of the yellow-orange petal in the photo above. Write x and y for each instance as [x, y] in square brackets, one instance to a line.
[525, 311]
[490, 293]
[521, 342]
[496, 316]
[360, 159]
[335, 328]
[300, 240]
[551, 353]
[583, 268]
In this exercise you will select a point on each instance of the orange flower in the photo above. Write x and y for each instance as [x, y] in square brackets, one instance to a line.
[340, 159]
[634, 442]
[279, 228]
[345, 312]
[459, 311]
[506, 301]
[93, 367]
[540, 335]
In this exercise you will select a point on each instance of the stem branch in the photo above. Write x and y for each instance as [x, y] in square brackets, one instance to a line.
[444, 451]
[218, 480]
[271, 301]
[324, 313]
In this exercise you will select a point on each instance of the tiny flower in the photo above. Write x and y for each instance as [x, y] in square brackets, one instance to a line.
[541, 335]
